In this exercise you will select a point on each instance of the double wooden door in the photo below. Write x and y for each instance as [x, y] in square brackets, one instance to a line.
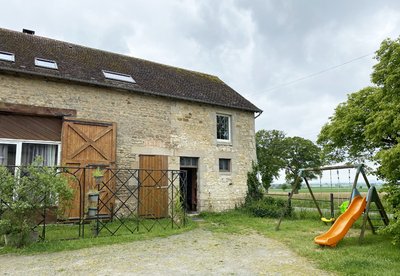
[89, 144]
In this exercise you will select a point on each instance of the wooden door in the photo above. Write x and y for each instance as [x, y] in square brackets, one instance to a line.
[89, 144]
[153, 193]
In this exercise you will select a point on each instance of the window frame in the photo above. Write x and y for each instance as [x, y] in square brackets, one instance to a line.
[229, 169]
[4, 55]
[46, 63]
[229, 140]
[20, 142]
[110, 75]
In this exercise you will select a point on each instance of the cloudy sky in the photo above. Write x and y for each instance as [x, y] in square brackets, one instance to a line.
[295, 59]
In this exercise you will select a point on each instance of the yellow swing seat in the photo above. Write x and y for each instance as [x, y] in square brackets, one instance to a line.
[328, 220]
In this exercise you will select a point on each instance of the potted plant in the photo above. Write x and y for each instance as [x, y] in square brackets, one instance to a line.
[34, 189]
[98, 175]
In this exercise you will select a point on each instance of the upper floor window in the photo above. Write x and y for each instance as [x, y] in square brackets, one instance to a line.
[223, 127]
[7, 56]
[46, 63]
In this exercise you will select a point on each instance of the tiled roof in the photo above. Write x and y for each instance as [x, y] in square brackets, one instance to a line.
[82, 64]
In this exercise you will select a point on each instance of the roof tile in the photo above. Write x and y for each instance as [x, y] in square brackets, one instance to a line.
[83, 64]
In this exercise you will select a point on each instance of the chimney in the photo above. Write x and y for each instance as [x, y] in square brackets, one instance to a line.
[26, 31]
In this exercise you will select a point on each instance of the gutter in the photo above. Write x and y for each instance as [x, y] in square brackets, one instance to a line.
[259, 114]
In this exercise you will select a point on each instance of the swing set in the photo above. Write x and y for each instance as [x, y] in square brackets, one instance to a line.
[358, 205]
[344, 204]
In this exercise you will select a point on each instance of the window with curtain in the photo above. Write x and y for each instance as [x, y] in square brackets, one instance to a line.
[31, 151]
[223, 127]
[23, 153]
[7, 154]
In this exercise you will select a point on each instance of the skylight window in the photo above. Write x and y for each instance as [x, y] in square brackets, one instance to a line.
[7, 56]
[118, 76]
[46, 63]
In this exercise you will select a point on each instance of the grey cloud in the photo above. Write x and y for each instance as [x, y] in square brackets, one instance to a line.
[251, 45]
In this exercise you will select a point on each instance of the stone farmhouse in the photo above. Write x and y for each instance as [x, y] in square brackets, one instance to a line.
[79, 106]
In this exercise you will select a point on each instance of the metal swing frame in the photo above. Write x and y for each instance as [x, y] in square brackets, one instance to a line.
[372, 195]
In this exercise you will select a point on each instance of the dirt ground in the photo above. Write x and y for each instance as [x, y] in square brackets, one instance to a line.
[197, 252]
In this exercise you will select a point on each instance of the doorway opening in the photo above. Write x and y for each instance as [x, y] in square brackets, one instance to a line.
[190, 165]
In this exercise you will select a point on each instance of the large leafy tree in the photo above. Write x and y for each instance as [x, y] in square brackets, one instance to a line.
[300, 153]
[270, 149]
[367, 125]
[276, 152]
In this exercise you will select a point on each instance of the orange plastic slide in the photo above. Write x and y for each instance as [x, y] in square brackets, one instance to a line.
[343, 223]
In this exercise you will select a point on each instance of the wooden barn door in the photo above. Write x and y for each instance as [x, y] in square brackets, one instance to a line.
[153, 194]
[89, 144]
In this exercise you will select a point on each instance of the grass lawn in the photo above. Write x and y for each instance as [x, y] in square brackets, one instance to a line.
[375, 256]
[64, 237]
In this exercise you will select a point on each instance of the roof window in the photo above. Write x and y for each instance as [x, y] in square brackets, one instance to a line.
[46, 63]
[118, 76]
[7, 56]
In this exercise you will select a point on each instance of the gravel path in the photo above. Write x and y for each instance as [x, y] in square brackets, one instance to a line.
[197, 252]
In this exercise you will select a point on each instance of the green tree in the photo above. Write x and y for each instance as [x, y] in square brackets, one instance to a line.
[300, 153]
[343, 138]
[276, 152]
[270, 154]
[367, 125]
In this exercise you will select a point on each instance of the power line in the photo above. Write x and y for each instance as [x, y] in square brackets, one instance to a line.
[317, 73]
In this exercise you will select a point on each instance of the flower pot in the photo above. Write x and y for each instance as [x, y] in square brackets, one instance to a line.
[93, 197]
[98, 179]
[92, 211]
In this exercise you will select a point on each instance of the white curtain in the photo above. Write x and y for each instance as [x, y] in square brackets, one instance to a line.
[3, 154]
[31, 151]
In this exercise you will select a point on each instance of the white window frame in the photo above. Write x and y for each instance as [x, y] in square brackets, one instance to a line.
[6, 56]
[118, 76]
[229, 127]
[19, 142]
[46, 63]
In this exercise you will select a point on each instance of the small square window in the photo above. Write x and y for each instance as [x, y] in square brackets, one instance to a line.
[7, 56]
[224, 165]
[223, 128]
[46, 63]
[118, 76]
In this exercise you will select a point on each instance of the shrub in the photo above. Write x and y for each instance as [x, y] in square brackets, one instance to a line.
[35, 189]
[254, 188]
[268, 207]
[392, 196]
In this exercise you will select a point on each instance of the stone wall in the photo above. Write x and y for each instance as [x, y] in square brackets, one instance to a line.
[154, 125]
